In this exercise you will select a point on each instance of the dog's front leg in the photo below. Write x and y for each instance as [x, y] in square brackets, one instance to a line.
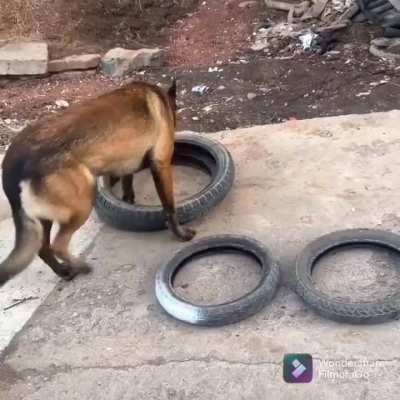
[128, 194]
[162, 175]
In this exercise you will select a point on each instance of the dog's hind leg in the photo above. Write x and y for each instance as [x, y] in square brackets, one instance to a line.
[75, 265]
[66, 197]
[46, 253]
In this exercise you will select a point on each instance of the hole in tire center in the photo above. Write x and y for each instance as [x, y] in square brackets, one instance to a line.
[214, 278]
[358, 273]
[187, 182]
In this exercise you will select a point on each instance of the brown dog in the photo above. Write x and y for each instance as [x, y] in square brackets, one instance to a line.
[50, 170]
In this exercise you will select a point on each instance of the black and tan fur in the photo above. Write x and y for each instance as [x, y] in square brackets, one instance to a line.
[50, 170]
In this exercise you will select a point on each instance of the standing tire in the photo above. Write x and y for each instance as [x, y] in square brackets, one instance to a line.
[190, 150]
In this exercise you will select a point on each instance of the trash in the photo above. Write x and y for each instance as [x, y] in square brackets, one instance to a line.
[200, 90]
[221, 87]
[61, 103]
[251, 96]
[324, 42]
[320, 44]
[215, 69]
[307, 39]
[207, 109]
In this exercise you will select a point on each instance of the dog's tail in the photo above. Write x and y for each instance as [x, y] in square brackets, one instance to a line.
[28, 241]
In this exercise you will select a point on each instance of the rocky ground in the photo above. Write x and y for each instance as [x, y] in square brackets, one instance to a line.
[211, 45]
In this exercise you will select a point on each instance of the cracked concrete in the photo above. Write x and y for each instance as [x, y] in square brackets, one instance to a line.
[103, 336]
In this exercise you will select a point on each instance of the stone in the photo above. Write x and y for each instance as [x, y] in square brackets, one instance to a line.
[62, 103]
[23, 58]
[119, 62]
[75, 62]
[251, 96]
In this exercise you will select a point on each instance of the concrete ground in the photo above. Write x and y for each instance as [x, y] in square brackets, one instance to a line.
[104, 336]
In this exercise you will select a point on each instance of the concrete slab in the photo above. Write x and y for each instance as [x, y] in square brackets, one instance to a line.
[119, 62]
[75, 62]
[23, 58]
[104, 336]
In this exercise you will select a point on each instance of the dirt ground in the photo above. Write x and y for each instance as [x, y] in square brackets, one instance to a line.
[72, 27]
[245, 87]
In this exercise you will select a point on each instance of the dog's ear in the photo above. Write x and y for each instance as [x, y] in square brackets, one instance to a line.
[172, 92]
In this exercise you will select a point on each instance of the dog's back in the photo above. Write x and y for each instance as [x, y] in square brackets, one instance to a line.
[85, 132]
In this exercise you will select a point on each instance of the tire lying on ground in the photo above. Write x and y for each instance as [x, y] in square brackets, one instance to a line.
[190, 150]
[336, 309]
[385, 13]
[226, 313]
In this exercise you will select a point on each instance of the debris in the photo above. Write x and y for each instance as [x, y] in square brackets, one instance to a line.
[315, 10]
[200, 90]
[20, 301]
[76, 62]
[296, 9]
[247, 4]
[333, 27]
[61, 103]
[207, 109]
[118, 62]
[265, 36]
[305, 20]
[381, 82]
[251, 96]
[13, 125]
[221, 87]
[363, 94]
[23, 58]
[386, 48]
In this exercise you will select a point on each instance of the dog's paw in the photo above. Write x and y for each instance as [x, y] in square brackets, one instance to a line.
[69, 272]
[186, 234]
[130, 199]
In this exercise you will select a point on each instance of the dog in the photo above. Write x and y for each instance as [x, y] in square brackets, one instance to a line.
[50, 170]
